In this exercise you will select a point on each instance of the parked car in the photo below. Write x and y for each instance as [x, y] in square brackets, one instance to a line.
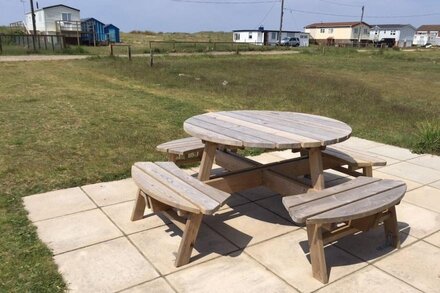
[292, 42]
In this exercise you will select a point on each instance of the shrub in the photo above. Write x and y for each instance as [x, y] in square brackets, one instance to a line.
[428, 138]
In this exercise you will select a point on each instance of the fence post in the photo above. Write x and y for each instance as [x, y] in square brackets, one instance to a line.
[39, 43]
[129, 52]
[236, 49]
[1, 47]
[111, 49]
[151, 56]
[45, 42]
[53, 45]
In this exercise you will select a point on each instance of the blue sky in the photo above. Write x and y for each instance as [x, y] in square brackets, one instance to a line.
[169, 16]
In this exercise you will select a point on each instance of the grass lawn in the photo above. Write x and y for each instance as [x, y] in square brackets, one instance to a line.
[63, 124]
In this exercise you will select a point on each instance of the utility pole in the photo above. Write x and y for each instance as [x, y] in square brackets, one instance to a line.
[281, 22]
[34, 26]
[360, 27]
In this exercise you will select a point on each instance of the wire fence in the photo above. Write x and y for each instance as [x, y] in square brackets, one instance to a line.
[22, 44]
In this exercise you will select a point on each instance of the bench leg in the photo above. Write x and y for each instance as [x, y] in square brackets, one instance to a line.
[317, 256]
[189, 239]
[367, 171]
[139, 207]
[207, 161]
[391, 229]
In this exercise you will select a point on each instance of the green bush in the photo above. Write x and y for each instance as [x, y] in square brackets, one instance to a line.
[428, 138]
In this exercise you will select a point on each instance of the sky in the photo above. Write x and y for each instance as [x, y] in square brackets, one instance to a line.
[193, 16]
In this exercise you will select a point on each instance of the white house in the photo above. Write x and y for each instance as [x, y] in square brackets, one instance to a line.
[268, 37]
[427, 34]
[53, 19]
[334, 33]
[401, 34]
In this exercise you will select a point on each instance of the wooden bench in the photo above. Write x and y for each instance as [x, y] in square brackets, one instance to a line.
[165, 188]
[357, 205]
[190, 149]
[354, 159]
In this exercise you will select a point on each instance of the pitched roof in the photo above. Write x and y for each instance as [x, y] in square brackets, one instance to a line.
[335, 24]
[48, 7]
[110, 25]
[391, 26]
[429, 27]
[92, 19]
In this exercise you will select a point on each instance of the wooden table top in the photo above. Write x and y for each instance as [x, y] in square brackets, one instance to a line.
[267, 129]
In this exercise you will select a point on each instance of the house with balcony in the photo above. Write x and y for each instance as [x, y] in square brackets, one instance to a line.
[57, 19]
[427, 34]
[397, 35]
[338, 33]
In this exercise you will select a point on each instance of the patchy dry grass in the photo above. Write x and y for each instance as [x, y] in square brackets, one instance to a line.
[68, 123]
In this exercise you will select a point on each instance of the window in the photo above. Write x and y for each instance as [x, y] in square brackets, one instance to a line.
[274, 35]
[365, 31]
[393, 33]
[237, 36]
[322, 30]
[330, 30]
[250, 35]
[66, 16]
[356, 30]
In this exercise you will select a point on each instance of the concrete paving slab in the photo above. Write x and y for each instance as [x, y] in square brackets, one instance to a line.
[394, 152]
[286, 155]
[105, 267]
[275, 205]
[248, 224]
[436, 184]
[120, 214]
[429, 161]
[426, 196]
[234, 200]
[266, 158]
[78, 230]
[160, 246]
[360, 143]
[158, 285]
[257, 193]
[57, 203]
[417, 221]
[287, 256]
[410, 185]
[371, 280]
[417, 264]
[434, 239]
[412, 172]
[108, 193]
[228, 274]
[371, 246]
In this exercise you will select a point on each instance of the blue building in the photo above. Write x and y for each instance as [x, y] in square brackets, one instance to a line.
[92, 31]
[112, 33]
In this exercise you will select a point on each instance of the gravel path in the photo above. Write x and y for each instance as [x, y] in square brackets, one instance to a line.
[22, 58]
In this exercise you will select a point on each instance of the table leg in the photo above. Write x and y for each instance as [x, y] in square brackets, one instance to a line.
[316, 168]
[207, 161]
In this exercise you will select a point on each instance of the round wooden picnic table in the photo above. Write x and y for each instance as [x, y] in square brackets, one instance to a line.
[268, 130]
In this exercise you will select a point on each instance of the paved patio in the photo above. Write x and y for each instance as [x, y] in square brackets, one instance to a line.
[250, 245]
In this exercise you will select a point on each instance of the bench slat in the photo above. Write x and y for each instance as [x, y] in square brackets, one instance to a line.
[292, 201]
[206, 204]
[332, 201]
[182, 146]
[353, 157]
[362, 208]
[214, 193]
[160, 192]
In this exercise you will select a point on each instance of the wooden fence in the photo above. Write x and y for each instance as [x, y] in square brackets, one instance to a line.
[17, 43]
